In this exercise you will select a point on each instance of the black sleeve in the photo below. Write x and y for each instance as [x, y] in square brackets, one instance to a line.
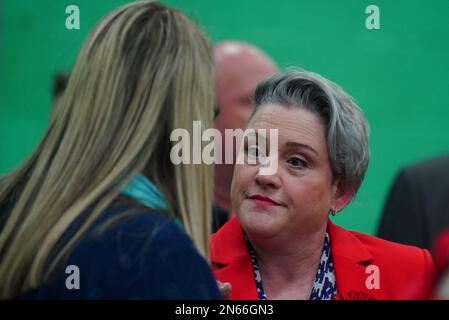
[403, 215]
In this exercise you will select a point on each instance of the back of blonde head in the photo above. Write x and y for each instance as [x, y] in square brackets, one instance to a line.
[144, 70]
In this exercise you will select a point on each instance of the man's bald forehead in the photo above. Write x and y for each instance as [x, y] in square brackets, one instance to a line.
[228, 51]
[239, 67]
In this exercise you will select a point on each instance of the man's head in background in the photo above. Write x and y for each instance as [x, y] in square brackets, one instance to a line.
[239, 67]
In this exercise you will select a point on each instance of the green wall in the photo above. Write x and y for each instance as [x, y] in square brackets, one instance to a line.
[398, 74]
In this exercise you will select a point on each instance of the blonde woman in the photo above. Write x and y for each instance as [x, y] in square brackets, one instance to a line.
[99, 211]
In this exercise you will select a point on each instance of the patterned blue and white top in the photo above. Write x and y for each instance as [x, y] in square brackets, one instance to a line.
[325, 285]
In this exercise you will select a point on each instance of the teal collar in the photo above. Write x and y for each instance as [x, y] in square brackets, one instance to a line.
[142, 190]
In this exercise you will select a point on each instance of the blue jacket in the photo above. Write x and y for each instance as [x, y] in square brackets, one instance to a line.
[147, 256]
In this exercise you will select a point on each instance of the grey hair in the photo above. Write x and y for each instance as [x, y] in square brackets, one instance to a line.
[347, 130]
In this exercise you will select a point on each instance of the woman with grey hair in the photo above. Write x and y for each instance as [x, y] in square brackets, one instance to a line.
[281, 243]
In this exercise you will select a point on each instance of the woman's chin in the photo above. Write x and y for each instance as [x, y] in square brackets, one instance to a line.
[259, 224]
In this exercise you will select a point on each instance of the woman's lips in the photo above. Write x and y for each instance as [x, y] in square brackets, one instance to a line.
[263, 201]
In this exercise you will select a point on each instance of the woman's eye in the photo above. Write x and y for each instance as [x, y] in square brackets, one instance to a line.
[253, 151]
[255, 154]
[297, 162]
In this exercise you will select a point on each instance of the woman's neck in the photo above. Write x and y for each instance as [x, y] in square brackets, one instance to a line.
[289, 273]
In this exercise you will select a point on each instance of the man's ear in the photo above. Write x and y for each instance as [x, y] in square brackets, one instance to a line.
[341, 194]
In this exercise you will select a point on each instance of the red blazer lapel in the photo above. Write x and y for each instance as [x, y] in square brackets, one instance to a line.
[351, 258]
[232, 262]
[240, 275]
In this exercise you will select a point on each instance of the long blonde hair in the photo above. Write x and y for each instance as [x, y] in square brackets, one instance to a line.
[143, 71]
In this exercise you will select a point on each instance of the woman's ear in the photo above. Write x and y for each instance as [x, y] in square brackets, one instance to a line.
[341, 194]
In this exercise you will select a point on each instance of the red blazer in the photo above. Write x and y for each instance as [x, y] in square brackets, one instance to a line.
[401, 267]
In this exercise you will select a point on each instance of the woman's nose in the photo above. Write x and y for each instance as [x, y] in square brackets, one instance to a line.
[268, 180]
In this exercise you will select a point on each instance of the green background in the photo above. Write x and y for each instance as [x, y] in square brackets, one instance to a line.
[398, 74]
